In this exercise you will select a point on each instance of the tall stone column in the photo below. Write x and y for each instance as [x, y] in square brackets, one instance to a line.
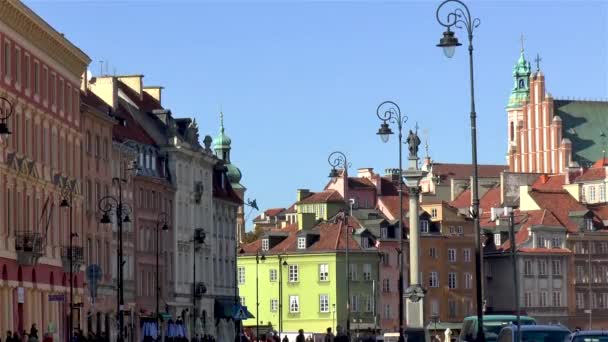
[414, 293]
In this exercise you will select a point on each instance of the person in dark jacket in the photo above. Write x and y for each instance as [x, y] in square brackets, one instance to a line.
[9, 336]
[300, 337]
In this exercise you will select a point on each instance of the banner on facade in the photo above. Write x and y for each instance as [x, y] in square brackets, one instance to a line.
[20, 295]
[56, 298]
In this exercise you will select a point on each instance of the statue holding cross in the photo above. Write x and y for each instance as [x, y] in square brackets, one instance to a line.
[537, 60]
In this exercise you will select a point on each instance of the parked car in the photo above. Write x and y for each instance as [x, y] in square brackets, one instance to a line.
[411, 335]
[588, 336]
[491, 326]
[534, 333]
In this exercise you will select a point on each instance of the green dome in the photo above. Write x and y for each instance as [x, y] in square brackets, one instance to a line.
[222, 141]
[234, 174]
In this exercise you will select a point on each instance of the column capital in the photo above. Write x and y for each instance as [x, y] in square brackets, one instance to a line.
[414, 191]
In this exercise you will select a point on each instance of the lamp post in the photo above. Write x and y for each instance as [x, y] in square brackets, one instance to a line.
[461, 17]
[67, 195]
[258, 257]
[6, 111]
[282, 263]
[162, 219]
[197, 241]
[389, 112]
[338, 159]
[107, 205]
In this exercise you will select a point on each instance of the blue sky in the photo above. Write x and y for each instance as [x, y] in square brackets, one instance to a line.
[297, 80]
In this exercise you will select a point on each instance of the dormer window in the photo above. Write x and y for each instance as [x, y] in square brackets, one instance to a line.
[365, 242]
[265, 244]
[588, 224]
[301, 243]
[384, 232]
[556, 242]
[434, 213]
[424, 226]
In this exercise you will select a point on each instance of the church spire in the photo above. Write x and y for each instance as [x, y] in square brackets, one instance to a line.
[521, 79]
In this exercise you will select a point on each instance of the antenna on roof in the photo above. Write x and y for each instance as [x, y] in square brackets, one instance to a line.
[101, 67]
[107, 65]
[425, 132]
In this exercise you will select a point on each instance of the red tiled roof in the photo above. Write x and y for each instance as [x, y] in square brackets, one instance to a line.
[592, 174]
[560, 204]
[490, 199]
[463, 200]
[89, 98]
[273, 211]
[600, 163]
[323, 197]
[392, 204]
[528, 219]
[549, 182]
[130, 129]
[601, 211]
[389, 188]
[291, 209]
[360, 183]
[465, 171]
[147, 103]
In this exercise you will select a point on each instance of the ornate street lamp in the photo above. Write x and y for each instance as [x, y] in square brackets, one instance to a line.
[6, 111]
[336, 160]
[198, 290]
[258, 257]
[162, 219]
[461, 17]
[389, 112]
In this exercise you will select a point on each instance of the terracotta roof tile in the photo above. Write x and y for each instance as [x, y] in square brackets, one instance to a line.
[128, 128]
[391, 203]
[601, 211]
[600, 163]
[545, 250]
[465, 171]
[273, 211]
[463, 200]
[323, 197]
[549, 182]
[592, 174]
[491, 199]
[360, 183]
[560, 204]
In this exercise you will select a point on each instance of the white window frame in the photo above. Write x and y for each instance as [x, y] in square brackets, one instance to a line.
[528, 268]
[542, 267]
[274, 305]
[580, 300]
[294, 304]
[556, 299]
[273, 274]
[424, 226]
[468, 281]
[459, 230]
[265, 244]
[241, 272]
[324, 303]
[386, 285]
[602, 193]
[354, 303]
[293, 272]
[452, 280]
[323, 272]
[451, 254]
[556, 267]
[433, 252]
[466, 254]
[434, 212]
[367, 272]
[352, 272]
[528, 299]
[497, 239]
[301, 242]
[433, 279]
[588, 224]
[242, 299]
[542, 299]
[591, 193]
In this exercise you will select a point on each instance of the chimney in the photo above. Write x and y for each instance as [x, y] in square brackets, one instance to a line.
[544, 178]
[106, 88]
[302, 194]
[365, 172]
[306, 221]
[134, 82]
[155, 91]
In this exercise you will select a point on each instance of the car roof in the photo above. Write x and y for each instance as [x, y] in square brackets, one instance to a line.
[490, 318]
[542, 327]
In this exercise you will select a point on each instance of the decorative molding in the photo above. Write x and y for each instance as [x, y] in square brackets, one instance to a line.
[30, 26]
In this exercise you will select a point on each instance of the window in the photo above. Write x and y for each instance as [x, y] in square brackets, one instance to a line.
[17, 65]
[542, 298]
[383, 232]
[53, 89]
[588, 224]
[384, 258]
[294, 304]
[323, 303]
[369, 303]
[451, 308]
[466, 254]
[451, 254]
[604, 300]
[528, 267]
[61, 98]
[459, 230]
[7, 59]
[580, 274]
[45, 82]
[26, 80]
[243, 301]
[365, 242]
[293, 273]
[354, 303]
[352, 272]
[522, 84]
[528, 299]
[592, 193]
[273, 274]
[557, 299]
[241, 275]
[367, 272]
[434, 213]
[386, 286]
[274, 305]
[542, 267]
[387, 311]
[603, 193]
[583, 195]
[580, 300]
[556, 267]
[424, 226]
[433, 252]
[511, 124]
[36, 78]
[556, 242]
[468, 280]
[433, 279]
[264, 244]
[434, 307]
[301, 243]
[324, 272]
[497, 239]
[452, 230]
[452, 280]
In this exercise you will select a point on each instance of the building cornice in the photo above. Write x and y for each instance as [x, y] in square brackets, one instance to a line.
[28, 24]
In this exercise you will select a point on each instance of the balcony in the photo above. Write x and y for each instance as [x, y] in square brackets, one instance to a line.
[75, 254]
[29, 246]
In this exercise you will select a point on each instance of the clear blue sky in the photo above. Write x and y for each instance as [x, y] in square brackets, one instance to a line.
[297, 80]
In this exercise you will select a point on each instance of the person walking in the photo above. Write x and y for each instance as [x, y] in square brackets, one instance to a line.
[9, 336]
[285, 339]
[301, 337]
[329, 337]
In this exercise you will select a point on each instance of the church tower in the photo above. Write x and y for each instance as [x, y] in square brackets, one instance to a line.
[520, 94]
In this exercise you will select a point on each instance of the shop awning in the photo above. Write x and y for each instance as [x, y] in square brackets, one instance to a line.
[223, 307]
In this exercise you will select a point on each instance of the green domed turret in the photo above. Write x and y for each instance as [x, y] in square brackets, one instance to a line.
[521, 77]
[221, 145]
[222, 141]
[234, 174]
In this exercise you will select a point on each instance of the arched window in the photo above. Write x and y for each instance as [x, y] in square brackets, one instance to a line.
[512, 130]
[522, 84]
